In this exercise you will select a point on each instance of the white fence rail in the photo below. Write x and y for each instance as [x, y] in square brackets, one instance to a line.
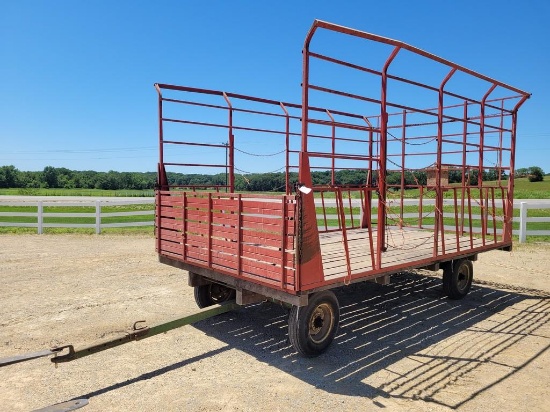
[40, 215]
[524, 219]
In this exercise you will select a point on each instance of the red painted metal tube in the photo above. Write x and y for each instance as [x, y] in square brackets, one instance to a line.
[399, 44]
[510, 197]
[457, 232]
[500, 141]
[287, 149]
[381, 245]
[439, 226]
[392, 77]
[403, 150]
[493, 211]
[231, 145]
[482, 135]
[342, 218]
[192, 143]
[463, 178]
[333, 147]
[240, 235]
[184, 224]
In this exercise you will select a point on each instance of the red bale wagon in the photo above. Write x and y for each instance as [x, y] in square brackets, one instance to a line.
[434, 148]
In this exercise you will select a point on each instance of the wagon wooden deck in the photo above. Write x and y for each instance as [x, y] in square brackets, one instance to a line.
[405, 248]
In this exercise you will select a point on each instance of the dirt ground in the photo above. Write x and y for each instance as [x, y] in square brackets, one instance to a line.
[399, 347]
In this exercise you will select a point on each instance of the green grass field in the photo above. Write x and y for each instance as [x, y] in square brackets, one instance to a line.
[77, 192]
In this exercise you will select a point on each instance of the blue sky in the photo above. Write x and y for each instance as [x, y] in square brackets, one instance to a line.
[77, 77]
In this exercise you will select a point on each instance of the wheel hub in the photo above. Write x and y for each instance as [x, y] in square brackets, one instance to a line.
[320, 323]
[219, 293]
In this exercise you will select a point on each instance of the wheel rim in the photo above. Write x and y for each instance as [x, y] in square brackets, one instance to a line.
[463, 278]
[320, 323]
[219, 293]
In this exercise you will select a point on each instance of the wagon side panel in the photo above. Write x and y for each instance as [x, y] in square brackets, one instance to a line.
[243, 237]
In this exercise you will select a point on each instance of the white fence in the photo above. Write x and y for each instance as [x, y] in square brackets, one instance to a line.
[97, 215]
[524, 219]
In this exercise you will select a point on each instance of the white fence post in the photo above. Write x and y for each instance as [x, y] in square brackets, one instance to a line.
[523, 222]
[40, 217]
[97, 217]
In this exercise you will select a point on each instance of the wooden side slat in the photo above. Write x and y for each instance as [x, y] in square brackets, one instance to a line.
[248, 236]
[171, 247]
[257, 268]
[268, 225]
[267, 239]
[168, 201]
[170, 235]
[170, 212]
[171, 224]
[270, 256]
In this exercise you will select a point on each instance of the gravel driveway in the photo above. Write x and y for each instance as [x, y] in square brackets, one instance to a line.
[399, 347]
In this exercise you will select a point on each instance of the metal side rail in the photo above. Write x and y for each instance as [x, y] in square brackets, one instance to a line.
[68, 353]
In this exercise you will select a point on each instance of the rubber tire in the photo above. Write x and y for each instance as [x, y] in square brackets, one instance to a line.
[302, 317]
[212, 294]
[457, 278]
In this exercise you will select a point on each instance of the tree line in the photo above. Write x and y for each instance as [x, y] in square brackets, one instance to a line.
[62, 178]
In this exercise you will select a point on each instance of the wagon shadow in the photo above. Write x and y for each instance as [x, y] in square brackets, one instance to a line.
[404, 340]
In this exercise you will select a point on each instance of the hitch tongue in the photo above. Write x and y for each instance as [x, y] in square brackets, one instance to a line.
[29, 356]
[139, 331]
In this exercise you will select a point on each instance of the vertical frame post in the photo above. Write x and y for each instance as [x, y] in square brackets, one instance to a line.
[500, 143]
[509, 211]
[287, 147]
[403, 150]
[283, 242]
[382, 164]
[231, 142]
[161, 130]
[482, 135]
[463, 178]
[333, 148]
[161, 180]
[240, 239]
[439, 224]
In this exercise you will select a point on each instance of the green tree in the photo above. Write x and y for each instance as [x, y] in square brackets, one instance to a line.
[9, 176]
[50, 176]
[522, 172]
[535, 174]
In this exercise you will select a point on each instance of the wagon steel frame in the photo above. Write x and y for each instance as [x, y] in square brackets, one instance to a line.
[279, 246]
